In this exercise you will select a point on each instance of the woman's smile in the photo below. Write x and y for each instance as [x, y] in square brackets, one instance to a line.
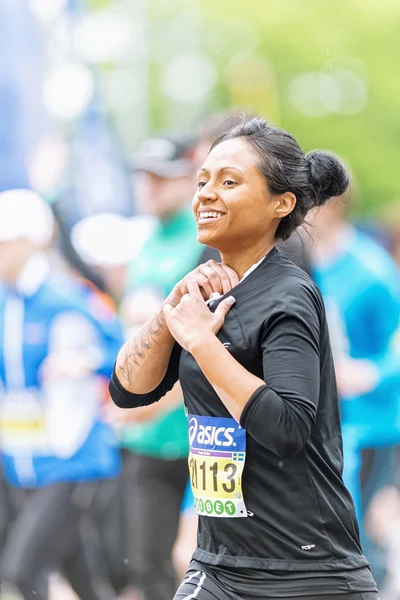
[205, 217]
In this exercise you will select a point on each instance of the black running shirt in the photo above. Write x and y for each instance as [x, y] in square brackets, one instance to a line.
[269, 490]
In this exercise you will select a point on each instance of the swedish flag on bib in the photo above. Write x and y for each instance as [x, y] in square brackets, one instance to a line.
[239, 456]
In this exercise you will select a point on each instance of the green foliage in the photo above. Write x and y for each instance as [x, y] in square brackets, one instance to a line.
[98, 3]
[259, 47]
[296, 36]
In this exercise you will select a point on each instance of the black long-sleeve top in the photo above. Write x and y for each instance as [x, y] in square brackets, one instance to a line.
[293, 511]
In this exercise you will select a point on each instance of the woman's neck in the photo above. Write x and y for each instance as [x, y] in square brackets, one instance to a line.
[241, 260]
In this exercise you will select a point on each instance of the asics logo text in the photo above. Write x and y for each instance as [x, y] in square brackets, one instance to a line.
[210, 435]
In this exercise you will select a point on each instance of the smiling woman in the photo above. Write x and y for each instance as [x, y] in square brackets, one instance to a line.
[256, 370]
[258, 177]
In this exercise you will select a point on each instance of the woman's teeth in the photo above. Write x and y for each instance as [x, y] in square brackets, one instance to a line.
[209, 215]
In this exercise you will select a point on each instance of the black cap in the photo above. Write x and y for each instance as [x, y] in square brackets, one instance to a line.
[167, 156]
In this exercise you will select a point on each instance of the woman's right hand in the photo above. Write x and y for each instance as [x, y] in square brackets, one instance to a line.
[212, 277]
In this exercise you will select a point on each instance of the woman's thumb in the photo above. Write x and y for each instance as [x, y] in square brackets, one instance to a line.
[225, 306]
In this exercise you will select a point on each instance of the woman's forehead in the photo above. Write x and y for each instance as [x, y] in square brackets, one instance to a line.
[235, 153]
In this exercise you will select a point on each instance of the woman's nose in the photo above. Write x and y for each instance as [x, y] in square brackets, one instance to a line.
[207, 193]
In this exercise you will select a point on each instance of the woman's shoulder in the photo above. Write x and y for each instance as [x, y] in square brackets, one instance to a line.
[278, 288]
[287, 275]
[295, 250]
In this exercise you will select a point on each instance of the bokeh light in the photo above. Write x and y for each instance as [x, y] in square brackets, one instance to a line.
[47, 162]
[103, 37]
[188, 77]
[68, 90]
[318, 94]
[47, 11]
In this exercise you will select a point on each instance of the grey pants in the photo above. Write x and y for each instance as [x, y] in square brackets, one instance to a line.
[153, 490]
[48, 529]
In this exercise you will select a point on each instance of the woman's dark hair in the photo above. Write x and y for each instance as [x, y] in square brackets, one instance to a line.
[313, 178]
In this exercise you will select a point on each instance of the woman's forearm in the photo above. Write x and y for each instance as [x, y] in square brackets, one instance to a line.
[230, 380]
[280, 423]
[143, 360]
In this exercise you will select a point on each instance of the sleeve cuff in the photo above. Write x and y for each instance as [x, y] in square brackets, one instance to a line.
[121, 397]
[251, 406]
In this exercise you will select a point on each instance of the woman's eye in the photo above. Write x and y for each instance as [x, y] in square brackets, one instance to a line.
[200, 184]
[229, 182]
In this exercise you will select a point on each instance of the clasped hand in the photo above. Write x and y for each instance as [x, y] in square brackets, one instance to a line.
[190, 321]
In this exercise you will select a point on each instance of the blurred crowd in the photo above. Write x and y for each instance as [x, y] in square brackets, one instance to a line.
[94, 500]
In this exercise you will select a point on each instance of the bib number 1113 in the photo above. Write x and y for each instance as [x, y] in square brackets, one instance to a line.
[207, 476]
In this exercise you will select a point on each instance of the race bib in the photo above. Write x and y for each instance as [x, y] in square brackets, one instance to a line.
[216, 463]
[22, 423]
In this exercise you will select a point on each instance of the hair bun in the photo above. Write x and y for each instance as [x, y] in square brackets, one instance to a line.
[328, 176]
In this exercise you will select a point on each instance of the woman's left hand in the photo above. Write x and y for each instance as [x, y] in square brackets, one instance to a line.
[191, 322]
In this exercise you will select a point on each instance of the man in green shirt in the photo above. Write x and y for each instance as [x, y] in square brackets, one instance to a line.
[155, 440]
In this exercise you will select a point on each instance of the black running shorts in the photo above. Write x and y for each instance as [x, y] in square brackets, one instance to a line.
[198, 585]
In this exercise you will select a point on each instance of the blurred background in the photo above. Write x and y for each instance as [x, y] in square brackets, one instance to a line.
[79, 71]
[107, 107]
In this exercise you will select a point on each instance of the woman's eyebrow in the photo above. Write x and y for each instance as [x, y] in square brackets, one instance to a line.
[230, 168]
[220, 169]
[203, 170]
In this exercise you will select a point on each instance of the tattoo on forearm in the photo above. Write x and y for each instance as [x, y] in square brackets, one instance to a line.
[135, 349]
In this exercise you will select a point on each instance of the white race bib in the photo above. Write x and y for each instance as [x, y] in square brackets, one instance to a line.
[22, 423]
[216, 463]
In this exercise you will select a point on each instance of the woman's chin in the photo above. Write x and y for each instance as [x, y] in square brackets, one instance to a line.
[213, 237]
[204, 237]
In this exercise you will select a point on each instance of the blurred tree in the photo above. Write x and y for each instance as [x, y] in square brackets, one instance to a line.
[356, 36]
[326, 71]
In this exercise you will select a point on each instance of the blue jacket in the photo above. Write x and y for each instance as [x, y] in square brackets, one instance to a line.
[50, 429]
[364, 283]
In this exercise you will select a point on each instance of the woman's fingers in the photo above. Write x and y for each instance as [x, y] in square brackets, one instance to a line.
[213, 277]
[205, 284]
[233, 276]
[194, 290]
[202, 280]
[223, 275]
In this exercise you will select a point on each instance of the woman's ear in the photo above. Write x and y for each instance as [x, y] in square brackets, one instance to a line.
[285, 204]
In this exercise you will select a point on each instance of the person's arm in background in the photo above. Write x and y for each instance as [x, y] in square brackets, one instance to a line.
[109, 328]
[71, 255]
[72, 393]
[381, 315]
[383, 319]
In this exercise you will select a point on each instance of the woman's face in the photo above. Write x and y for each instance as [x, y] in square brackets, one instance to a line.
[232, 205]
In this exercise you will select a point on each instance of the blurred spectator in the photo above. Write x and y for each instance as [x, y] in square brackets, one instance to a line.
[58, 347]
[361, 287]
[155, 439]
[186, 541]
[71, 258]
[108, 242]
[390, 217]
